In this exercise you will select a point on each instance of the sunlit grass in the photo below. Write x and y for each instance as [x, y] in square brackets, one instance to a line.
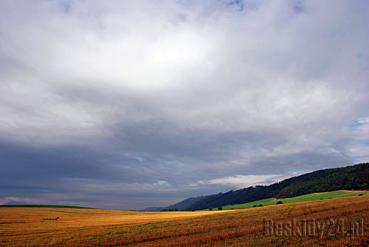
[303, 198]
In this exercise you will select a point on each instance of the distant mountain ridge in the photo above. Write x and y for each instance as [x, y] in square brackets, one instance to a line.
[355, 177]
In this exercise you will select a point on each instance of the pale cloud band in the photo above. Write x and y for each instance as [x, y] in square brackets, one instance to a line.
[243, 181]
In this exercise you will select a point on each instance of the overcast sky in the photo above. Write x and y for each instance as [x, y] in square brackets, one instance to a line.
[129, 104]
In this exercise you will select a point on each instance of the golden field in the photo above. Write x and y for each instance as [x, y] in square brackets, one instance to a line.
[244, 227]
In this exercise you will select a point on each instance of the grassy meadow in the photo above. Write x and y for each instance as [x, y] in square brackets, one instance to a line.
[303, 198]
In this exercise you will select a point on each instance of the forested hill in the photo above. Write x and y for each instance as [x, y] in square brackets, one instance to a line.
[354, 177]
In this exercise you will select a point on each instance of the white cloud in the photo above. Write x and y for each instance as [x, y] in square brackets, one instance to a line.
[363, 120]
[242, 181]
[113, 187]
[230, 71]
[205, 69]
[14, 199]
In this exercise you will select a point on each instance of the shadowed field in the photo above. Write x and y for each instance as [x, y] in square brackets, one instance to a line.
[244, 227]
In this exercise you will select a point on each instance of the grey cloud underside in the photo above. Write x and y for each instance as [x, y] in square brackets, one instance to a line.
[65, 171]
[129, 104]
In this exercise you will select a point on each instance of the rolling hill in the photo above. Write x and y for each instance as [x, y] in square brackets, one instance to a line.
[355, 177]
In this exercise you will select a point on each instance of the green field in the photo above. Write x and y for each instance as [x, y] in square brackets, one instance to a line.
[307, 197]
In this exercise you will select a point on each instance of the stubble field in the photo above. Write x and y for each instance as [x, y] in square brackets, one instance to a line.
[332, 222]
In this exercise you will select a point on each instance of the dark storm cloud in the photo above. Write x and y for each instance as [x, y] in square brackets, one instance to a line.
[128, 104]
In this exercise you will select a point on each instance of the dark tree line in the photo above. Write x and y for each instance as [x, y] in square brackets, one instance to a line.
[346, 178]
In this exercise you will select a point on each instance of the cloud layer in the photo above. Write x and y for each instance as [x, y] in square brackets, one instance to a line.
[128, 104]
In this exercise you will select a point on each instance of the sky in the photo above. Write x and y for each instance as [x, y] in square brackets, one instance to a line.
[132, 104]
